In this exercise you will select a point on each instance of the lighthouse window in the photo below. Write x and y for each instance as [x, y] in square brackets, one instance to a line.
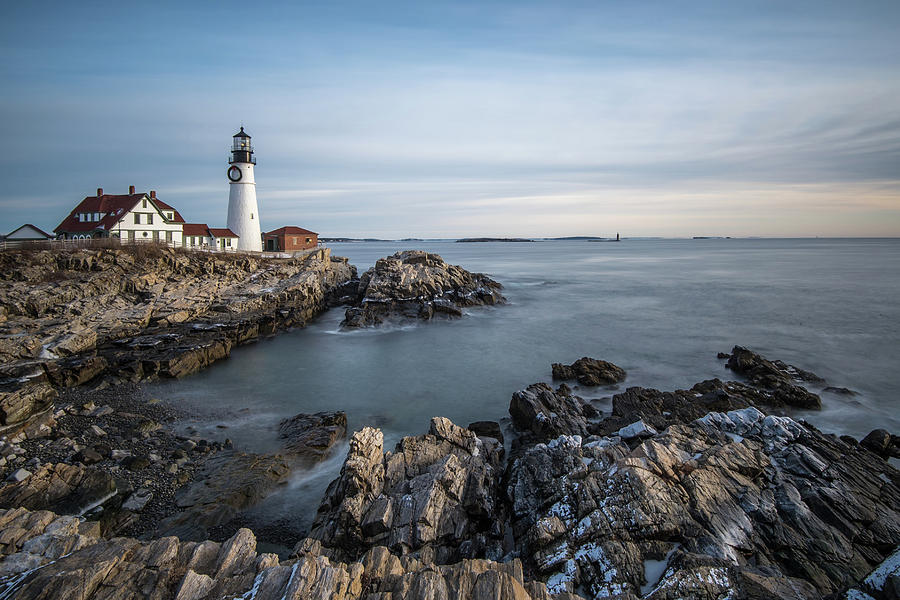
[251, 216]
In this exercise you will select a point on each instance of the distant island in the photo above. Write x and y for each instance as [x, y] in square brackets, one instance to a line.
[346, 239]
[488, 239]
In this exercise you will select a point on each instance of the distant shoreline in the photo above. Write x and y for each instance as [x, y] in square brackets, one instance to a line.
[490, 239]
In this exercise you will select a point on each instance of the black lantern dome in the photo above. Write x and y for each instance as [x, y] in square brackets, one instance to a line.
[241, 150]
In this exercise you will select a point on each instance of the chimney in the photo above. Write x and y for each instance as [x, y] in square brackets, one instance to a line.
[153, 194]
[99, 192]
[130, 189]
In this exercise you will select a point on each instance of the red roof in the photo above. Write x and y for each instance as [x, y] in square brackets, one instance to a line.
[291, 231]
[177, 218]
[112, 207]
[195, 229]
[222, 233]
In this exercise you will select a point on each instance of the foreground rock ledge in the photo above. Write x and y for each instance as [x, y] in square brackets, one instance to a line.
[47, 557]
[417, 285]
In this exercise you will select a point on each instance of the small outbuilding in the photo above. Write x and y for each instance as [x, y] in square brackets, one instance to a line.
[202, 236]
[290, 239]
[28, 233]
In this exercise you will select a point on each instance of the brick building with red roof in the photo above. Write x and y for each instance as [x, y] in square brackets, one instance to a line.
[289, 239]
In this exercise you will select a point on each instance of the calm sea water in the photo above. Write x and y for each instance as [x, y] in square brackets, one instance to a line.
[660, 309]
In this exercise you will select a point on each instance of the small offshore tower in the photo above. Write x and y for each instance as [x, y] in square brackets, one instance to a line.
[243, 212]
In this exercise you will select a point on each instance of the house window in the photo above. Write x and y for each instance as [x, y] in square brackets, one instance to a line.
[150, 219]
[145, 203]
[308, 240]
[137, 218]
[193, 240]
[169, 216]
[168, 236]
[228, 242]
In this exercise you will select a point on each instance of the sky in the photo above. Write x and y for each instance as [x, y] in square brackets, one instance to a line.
[451, 119]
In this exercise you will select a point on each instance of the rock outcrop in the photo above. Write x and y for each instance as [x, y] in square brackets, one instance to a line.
[46, 557]
[547, 413]
[589, 371]
[142, 312]
[739, 502]
[779, 380]
[436, 497]
[417, 285]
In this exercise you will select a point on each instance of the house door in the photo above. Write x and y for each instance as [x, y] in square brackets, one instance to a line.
[222, 242]
[270, 245]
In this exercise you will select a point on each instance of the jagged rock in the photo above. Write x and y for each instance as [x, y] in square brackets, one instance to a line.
[435, 497]
[417, 285]
[589, 371]
[883, 583]
[94, 568]
[715, 500]
[311, 436]
[547, 413]
[776, 377]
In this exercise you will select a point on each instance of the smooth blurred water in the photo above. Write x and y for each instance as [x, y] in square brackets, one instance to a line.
[660, 309]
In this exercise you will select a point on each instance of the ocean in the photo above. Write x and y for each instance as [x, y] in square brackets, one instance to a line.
[660, 309]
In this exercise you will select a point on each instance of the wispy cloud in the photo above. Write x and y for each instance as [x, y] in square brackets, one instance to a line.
[457, 119]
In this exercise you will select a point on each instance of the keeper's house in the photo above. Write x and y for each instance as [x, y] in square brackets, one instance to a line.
[129, 217]
[290, 239]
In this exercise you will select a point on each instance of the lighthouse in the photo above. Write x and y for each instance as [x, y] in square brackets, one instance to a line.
[243, 213]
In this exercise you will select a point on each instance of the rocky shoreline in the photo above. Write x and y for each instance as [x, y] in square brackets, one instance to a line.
[711, 492]
[688, 494]
[142, 312]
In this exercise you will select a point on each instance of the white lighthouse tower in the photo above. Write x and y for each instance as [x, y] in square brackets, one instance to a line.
[243, 213]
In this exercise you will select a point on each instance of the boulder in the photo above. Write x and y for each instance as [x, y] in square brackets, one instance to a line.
[62, 488]
[547, 413]
[589, 371]
[311, 436]
[228, 483]
[882, 443]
